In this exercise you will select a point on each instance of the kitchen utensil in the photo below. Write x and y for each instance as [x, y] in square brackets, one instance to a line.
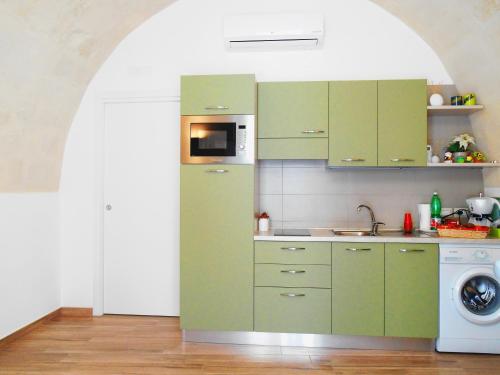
[481, 209]
[424, 213]
[436, 99]
[408, 223]
[456, 100]
[264, 222]
[469, 99]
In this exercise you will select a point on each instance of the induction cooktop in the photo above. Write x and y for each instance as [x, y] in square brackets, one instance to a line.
[292, 232]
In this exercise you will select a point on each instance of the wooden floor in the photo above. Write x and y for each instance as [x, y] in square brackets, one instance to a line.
[149, 345]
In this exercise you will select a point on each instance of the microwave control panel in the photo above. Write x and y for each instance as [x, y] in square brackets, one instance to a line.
[242, 139]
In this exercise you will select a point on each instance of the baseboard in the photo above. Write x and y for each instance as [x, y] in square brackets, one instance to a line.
[75, 312]
[69, 312]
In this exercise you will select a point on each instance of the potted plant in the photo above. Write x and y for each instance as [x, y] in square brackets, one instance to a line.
[459, 146]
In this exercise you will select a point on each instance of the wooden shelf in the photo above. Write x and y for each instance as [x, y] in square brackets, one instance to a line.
[463, 165]
[452, 110]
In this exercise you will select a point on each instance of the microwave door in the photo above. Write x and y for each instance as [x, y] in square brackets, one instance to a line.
[213, 139]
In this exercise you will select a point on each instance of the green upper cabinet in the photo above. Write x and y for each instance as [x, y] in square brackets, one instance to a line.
[353, 123]
[411, 290]
[402, 123]
[293, 109]
[217, 221]
[358, 289]
[218, 94]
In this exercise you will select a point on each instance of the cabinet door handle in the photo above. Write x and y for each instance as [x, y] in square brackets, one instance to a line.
[411, 250]
[293, 248]
[293, 271]
[352, 159]
[397, 160]
[217, 171]
[215, 107]
[358, 249]
[292, 294]
[312, 131]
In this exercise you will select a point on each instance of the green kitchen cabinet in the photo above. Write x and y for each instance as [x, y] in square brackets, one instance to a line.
[292, 148]
[293, 275]
[288, 252]
[218, 94]
[217, 221]
[358, 289]
[293, 109]
[402, 123]
[293, 310]
[353, 123]
[411, 290]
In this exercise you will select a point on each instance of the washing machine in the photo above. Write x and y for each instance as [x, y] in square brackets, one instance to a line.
[469, 299]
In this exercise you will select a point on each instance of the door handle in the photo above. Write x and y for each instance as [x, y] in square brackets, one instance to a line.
[292, 294]
[357, 249]
[215, 107]
[312, 131]
[352, 159]
[411, 250]
[293, 271]
[217, 171]
[397, 160]
[293, 248]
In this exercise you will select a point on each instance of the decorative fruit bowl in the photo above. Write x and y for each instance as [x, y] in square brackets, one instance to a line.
[463, 231]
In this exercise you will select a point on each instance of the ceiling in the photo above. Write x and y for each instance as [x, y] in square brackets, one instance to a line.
[51, 49]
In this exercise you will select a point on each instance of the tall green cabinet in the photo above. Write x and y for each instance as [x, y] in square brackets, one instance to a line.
[402, 123]
[353, 123]
[217, 224]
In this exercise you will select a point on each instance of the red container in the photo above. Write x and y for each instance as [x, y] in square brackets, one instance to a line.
[408, 223]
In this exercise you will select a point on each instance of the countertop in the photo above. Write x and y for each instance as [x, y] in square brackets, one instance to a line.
[326, 235]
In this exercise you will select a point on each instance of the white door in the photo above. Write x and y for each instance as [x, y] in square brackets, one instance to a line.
[141, 213]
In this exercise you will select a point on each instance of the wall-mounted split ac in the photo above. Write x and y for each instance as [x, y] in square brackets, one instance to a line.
[273, 31]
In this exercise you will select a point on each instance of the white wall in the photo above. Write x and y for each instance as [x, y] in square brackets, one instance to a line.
[362, 42]
[29, 259]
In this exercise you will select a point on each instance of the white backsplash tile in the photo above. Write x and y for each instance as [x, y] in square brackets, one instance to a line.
[306, 193]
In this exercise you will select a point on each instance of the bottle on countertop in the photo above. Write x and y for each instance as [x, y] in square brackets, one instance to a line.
[435, 211]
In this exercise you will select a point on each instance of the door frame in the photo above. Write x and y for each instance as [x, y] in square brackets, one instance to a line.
[102, 99]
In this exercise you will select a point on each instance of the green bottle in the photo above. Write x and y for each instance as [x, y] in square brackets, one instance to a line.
[435, 211]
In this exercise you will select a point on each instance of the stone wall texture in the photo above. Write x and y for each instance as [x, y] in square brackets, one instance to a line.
[51, 49]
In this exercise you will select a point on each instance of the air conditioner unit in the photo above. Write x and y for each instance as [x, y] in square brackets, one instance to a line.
[273, 31]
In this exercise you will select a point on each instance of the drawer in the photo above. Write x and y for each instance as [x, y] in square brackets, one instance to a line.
[292, 148]
[293, 252]
[292, 310]
[297, 276]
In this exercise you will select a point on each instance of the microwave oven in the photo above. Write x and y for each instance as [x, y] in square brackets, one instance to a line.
[213, 139]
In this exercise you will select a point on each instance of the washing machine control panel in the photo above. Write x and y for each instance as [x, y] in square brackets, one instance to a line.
[469, 255]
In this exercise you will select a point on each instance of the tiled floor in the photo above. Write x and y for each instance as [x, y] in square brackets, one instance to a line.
[151, 345]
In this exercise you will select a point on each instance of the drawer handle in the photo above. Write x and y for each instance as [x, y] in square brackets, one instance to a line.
[292, 294]
[411, 250]
[293, 248]
[352, 159]
[397, 160]
[217, 171]
[293, 271]
[312, 131]
[215, 107]
[357, 249]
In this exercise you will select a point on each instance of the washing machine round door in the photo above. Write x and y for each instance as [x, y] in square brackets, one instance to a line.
[477, 296]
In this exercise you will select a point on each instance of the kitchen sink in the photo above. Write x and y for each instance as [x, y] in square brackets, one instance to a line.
[367, 233]
[352, 233]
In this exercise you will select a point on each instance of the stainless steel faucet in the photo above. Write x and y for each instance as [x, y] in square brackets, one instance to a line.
[375, 223]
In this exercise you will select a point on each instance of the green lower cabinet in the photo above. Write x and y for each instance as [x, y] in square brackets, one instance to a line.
[411, 290]
[288, 252]
[293, 310]
[292, 148]
[216, 241]
[358, 289]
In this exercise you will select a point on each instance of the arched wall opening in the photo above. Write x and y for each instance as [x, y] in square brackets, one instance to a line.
[363, 42]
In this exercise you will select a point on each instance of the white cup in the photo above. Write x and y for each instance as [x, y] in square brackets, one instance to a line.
[424, 214]
[263, 225]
